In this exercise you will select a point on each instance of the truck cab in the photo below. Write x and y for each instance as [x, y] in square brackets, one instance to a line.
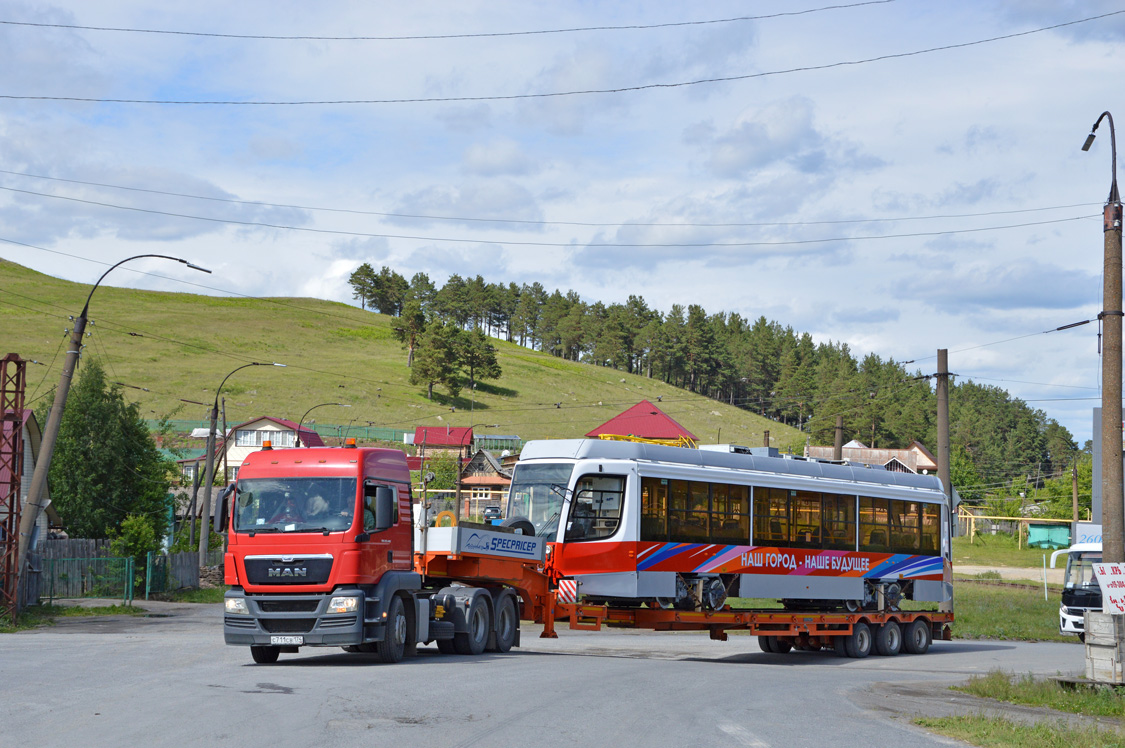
[319, 546]
[1080, 586]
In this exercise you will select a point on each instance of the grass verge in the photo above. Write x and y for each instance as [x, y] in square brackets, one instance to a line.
[996, 550]
[988, 731]
[984, 611]
[209, 595]
[34, 616]
[1026, 689]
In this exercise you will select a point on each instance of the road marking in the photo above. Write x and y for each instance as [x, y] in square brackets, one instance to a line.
[743, 735]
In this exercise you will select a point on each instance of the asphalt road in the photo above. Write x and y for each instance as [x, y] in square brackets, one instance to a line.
[168, 680]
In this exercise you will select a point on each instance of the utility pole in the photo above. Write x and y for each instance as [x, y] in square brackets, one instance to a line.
[838, 448]
[1113, 502]
[35, 492]
[1074, 490]
[942, 388]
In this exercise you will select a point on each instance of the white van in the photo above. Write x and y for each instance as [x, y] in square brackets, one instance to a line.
[1080, 586]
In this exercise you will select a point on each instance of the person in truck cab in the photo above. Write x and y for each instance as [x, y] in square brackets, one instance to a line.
[288, 512]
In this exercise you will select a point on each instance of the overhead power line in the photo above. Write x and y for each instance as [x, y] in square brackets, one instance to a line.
[426, 37]
[528, 243]
[576, 92]
[467, 219]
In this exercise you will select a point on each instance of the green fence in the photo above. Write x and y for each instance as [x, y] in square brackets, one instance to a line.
[88, 577]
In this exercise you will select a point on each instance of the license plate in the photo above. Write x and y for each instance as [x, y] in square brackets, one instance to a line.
[288, 641]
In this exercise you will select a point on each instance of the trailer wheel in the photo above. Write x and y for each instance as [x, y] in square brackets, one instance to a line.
[858, 643]
[445, 646]
[477, 617]
[888, 639]
[839, 645]
[783, 647]
[918, 636]
[507, 623]
[765, 644]
[265, 655]
[393, 645]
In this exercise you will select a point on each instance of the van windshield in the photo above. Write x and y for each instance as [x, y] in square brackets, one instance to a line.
[1080, 570]
[537, 493]
[294, 504]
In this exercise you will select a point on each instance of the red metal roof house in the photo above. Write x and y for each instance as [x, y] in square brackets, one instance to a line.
[643, 420]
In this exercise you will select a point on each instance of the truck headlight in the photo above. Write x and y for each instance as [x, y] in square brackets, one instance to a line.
[343, 605]
[237, 606]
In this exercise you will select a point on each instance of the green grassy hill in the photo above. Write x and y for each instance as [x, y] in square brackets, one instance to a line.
[180, 346]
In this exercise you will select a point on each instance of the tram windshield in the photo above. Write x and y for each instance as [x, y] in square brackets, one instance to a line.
[537, 493]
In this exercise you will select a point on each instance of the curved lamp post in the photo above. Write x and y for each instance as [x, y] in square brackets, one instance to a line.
[50, 433]
[1113, 509]
[209, 475]
[310, 410]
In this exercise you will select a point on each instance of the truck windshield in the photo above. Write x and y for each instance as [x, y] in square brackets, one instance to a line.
[294, 504]
[537, 493]
[1080, 570]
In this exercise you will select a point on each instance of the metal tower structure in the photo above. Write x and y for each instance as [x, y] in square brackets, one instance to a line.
[12, 382]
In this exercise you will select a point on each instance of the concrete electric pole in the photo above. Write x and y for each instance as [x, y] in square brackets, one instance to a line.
[1113, 502]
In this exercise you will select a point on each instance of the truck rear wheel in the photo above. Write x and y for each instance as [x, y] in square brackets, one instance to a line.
[888, 639]
[507, 623]
[393, 645]
[917, 637]
[858, 643]
[265, 655]
[473, 641]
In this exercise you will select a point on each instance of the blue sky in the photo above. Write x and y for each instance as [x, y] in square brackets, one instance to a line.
[924, 201]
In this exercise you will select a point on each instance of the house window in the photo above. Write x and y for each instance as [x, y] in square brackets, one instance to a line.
[255, 438]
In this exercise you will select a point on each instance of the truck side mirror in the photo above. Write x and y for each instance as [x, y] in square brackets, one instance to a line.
[384, 508]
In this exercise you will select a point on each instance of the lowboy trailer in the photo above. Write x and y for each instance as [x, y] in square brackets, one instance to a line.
[325, 549]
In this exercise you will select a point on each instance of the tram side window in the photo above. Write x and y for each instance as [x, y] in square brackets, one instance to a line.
[688, 512]
[595, 511]
[931, 530]
[730, 514]
[806, 519]
[771, 516]
[654, 509]
[839, 522]
[906, 526]
[874, 527]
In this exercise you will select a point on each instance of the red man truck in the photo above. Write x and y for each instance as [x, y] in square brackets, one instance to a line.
[321, 552]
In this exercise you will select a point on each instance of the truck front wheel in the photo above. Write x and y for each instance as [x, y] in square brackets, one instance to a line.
[393, 645]
[473, 641]
[265, 655]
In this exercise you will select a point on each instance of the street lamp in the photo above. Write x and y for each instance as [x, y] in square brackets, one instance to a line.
[1113, 508]
[209, 474]
[310, 410]
[51, 431]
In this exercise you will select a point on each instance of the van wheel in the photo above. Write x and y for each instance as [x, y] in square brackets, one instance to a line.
[858, 643]
[918, 636]
[473, 641]
[265, 655]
